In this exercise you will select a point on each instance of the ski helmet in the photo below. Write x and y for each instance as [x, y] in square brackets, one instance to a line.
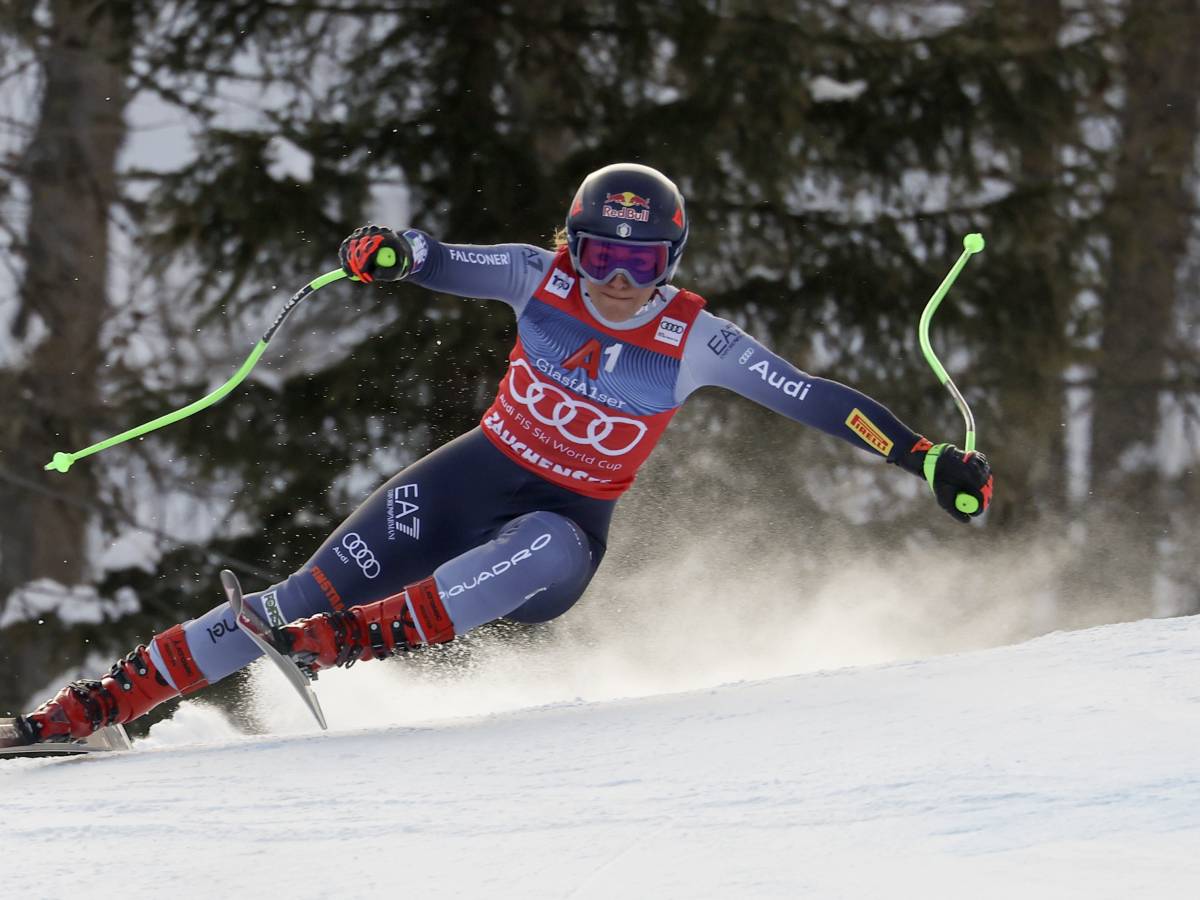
[631, 204]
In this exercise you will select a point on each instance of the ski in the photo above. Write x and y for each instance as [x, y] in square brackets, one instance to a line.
[260, 632]
[106, 740]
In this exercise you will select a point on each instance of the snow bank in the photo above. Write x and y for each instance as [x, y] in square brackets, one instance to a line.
[1060, 768]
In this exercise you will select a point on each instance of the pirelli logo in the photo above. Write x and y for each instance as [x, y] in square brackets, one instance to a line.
[865, 429]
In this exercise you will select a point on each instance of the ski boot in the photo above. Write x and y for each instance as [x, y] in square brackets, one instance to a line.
[132, 687]
[412, 618]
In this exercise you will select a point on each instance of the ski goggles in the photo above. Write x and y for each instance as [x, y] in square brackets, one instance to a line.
[602, 259]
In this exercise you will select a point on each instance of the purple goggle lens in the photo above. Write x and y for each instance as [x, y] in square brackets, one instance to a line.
[601, 259]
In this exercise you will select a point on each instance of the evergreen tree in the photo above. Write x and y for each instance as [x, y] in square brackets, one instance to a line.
[833, 156]
[68, 168]
[1147, 218]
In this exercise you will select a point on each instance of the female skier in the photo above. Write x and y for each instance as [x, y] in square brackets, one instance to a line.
[511, 519]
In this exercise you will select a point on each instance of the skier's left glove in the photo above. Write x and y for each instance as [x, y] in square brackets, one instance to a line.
[374, 251]
[961, 482]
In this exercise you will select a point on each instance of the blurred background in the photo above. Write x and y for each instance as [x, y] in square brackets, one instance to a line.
[170, 172]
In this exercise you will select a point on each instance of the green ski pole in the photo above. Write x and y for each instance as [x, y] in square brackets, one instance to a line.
[972, 243]
[62, 461]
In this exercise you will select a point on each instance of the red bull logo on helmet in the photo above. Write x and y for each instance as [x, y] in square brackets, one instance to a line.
[627, 203]
[628, 198]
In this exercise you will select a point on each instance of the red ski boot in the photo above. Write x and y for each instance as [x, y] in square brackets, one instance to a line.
[132, 687]
[377, 630]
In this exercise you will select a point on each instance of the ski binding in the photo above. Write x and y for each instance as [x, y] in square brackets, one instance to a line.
[260, 632]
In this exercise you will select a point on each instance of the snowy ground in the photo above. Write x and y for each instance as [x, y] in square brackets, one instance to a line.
[1066, 767]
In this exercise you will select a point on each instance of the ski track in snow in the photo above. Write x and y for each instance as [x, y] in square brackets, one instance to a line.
[1066, 767]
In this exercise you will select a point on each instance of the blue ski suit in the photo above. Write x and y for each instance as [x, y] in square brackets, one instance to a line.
[511, 519]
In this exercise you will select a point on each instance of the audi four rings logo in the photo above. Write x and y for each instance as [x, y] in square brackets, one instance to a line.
[361, 554]
[591, 426]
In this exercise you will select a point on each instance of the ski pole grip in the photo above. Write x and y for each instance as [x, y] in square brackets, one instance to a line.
[963, 502]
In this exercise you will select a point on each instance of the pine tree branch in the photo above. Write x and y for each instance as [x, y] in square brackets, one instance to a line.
[119, 513]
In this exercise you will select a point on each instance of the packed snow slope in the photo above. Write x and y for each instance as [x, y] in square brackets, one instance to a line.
[1065, 767]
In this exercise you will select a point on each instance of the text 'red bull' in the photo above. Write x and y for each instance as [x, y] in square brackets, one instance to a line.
[627, 206]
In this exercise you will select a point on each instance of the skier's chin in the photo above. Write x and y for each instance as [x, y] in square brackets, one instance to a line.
[618, 304]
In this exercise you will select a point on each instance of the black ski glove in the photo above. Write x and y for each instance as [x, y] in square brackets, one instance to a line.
[961, 482]
[374, 251]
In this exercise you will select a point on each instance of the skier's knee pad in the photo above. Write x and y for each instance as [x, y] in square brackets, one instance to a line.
[573, 566]
[532, 571]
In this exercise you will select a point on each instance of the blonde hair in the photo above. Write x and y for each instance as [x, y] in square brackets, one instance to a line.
[560, 238]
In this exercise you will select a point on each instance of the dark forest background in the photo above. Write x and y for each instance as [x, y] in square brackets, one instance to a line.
[833, 156]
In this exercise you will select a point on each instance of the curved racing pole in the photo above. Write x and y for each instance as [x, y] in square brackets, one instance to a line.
[62, 461]
[972, 243]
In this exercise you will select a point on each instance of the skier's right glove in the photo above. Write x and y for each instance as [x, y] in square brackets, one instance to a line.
[374, 251]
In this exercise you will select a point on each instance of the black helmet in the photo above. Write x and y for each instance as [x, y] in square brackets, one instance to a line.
[629, 202]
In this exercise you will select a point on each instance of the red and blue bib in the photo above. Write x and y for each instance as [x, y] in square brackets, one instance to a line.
[582, 404]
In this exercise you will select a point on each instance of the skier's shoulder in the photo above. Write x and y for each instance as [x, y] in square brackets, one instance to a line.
[536, 262]
[711, 342]
[705, 324]
[682, 299]
[534, 257]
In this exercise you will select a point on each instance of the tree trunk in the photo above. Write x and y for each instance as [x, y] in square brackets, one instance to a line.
[1148, 221]
[1033, 467]
[69, 170]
